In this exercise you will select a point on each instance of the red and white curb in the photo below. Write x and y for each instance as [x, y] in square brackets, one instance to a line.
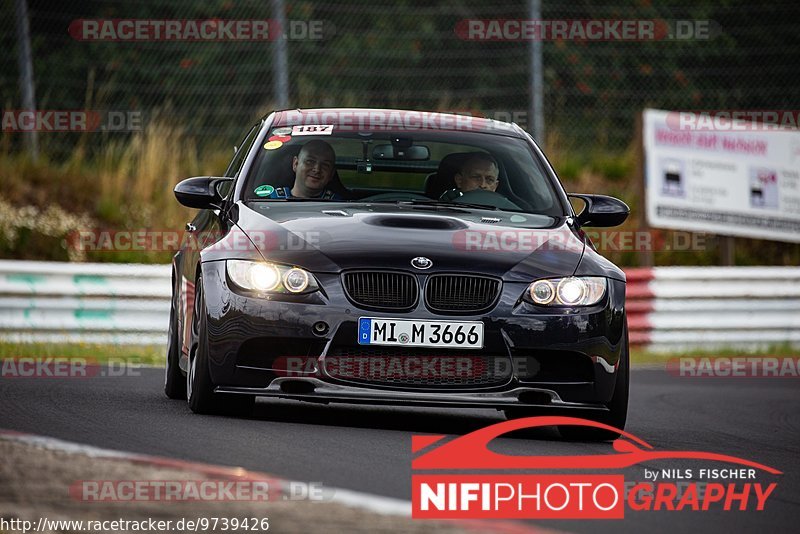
[353, 499]
[673, 309]
[639, 299]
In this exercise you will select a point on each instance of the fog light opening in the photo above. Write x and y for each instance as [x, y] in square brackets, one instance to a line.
[320, 328]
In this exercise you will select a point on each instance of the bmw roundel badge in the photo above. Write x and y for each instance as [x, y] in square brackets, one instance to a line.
[421, 262]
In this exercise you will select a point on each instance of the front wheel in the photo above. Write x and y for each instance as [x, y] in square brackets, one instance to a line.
[199, 386]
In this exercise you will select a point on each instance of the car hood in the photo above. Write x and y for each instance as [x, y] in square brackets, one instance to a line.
[386, 236]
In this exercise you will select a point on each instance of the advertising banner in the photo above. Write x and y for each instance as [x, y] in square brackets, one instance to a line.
[731, 173]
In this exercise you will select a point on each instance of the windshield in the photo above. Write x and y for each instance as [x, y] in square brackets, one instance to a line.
[454, 168]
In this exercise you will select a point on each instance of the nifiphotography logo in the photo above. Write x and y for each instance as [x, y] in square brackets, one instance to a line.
[448, 490]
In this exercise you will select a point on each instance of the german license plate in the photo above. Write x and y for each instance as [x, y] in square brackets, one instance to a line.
[402, 332]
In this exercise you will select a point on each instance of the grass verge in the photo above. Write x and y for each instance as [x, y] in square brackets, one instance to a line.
[139, 354]
[645, 357]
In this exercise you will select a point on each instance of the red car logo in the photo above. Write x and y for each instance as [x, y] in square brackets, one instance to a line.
[470, 451]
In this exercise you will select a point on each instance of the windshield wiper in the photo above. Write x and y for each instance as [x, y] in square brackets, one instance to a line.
[433, 203]
[417, 202]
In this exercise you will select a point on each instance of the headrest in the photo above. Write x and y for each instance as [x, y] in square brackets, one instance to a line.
[282, 174]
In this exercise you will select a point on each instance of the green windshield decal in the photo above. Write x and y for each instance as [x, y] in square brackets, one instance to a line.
[264, 190]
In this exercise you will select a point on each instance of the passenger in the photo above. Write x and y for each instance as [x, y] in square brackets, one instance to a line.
[478, 172]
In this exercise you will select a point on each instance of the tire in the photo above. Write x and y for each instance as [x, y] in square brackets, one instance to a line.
[617, 413]
[174, 381]
[199, 386]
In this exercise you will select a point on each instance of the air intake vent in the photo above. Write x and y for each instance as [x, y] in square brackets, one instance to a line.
[461, 293]
[380, 289]
[416, 222]
[490, 220]
[417, 368]
[335, 213]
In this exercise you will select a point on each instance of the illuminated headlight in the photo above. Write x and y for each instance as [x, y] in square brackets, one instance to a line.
[571, 291]
[269, 278]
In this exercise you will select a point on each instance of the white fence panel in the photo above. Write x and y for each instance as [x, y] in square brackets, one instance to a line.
[84, 302]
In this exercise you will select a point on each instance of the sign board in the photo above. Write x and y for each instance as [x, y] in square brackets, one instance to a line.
[707, 173]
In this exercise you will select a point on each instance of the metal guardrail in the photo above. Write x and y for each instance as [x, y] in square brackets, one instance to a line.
[669, 308]
[84, 302]
[685, 308]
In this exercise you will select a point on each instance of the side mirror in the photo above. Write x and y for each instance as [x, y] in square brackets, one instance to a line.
[201, 192]
[602, 210]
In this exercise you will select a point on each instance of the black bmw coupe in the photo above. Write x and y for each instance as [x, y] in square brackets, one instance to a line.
[396, 257]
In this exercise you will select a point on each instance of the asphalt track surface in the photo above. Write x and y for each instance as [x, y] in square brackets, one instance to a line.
[368, 448]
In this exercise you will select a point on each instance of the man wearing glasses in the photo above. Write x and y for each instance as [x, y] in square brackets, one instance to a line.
[478, 172]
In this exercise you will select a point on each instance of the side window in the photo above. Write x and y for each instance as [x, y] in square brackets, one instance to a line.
[238, 158]
[241, 152]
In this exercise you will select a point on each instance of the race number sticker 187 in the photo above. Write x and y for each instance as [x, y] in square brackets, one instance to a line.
[313, 129]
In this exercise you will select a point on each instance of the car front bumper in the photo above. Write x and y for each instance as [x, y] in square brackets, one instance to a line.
[558, 358]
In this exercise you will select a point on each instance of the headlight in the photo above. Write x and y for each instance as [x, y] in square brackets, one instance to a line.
[265, 277]
[571, 291]
[296, 280]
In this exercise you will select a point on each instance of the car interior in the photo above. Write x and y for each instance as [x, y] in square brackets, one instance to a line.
[379, 173]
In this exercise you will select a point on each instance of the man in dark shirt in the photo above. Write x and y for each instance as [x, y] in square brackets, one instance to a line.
[478, 172]
[313, 169]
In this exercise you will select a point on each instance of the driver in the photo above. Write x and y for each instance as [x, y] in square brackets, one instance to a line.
[478, 172]
[313, 170]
